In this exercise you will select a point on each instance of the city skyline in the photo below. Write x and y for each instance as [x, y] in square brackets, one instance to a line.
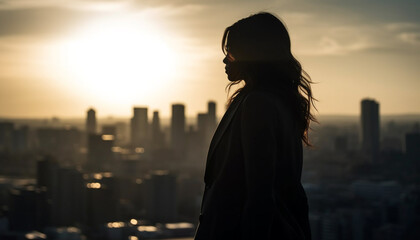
[100, 179]
[57, 58]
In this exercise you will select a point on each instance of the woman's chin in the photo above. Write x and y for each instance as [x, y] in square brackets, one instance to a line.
[232, 78]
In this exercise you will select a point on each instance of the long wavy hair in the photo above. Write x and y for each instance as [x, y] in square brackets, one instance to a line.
[260, 45]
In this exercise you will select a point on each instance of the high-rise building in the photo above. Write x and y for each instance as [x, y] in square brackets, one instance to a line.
[161, 200]
[139, 127]
[203, 127]
[157, 134]
[47, 178]
[70, 196]
[6, 135]
[28, 209]
[178, 128]
[100, 155]
[202, 121]
[102, 195]
[412, 146]
[370, 127]
[211, 111]
[91, 121]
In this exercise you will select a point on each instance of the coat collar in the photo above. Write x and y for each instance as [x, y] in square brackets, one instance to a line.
[221, 128]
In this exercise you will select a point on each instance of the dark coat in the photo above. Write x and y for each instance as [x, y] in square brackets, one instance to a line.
[252, 179]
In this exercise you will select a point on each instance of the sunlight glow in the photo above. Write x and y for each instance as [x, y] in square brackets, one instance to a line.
[118, 60]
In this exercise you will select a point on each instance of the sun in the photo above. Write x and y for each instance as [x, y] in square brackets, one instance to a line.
[118, 60]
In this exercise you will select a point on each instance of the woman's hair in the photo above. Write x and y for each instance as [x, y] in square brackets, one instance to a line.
[260, 45]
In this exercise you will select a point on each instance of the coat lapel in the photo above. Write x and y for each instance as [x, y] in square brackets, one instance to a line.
[221, 128]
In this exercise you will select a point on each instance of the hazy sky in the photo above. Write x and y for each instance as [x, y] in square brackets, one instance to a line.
[58, 57]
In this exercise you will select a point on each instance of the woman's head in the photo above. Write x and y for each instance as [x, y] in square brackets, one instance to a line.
[258, 51]
[259, 38]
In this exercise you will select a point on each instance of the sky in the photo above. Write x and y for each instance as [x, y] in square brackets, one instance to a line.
[61, 57]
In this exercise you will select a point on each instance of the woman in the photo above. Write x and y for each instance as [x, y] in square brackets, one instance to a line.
[254, 164]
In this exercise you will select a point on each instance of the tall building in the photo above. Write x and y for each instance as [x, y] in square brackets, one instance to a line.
[47, 178]
[157, 134]
[102, 196]
[100, 155]
[6, 135]
[370, 127]
[70, 196]
[28, 209]
[139, 127]
[203, 127]
[91, 121]
[412, 146]
[211, 111]
[161, 197]
[178, 128]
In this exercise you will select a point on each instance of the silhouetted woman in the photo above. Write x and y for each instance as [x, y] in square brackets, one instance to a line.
[253, 188]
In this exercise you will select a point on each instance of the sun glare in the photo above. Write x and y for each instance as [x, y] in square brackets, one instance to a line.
[118, 59]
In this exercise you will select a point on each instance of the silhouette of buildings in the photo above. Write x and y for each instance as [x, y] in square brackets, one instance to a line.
[100, 155]
[101, 199]
[29, 209]
[64, 193]
[70, 197]
[370, 127]
[47, 178]
[157, 134]
[211, 111]
[6, 135]
[206, 124]
[14, 139]
[178, 128]
[139, 127]
[203, 126]
[349, 197]
[161, 197]
[91, 121]
[412, 146]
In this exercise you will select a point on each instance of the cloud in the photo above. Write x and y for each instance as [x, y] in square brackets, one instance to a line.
[407, 32]
[410, 37]
[402, 26]
[76, 4]
[40, 21]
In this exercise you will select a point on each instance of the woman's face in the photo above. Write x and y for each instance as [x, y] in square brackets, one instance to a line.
[232, 68]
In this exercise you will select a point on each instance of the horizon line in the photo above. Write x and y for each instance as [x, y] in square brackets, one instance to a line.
[191, 116]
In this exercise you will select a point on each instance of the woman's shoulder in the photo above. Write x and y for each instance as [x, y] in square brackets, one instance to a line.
[262, 97]
[269, 104]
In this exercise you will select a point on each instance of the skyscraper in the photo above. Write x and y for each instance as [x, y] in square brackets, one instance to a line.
[139, 127]
[100, 155]
[178, 127]
[161, 200]
[203, 128]
[91, 121]
[47, 178]
[412, 146]
[211, 111]
[157, 134]
[6, 135]
[370, 127]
